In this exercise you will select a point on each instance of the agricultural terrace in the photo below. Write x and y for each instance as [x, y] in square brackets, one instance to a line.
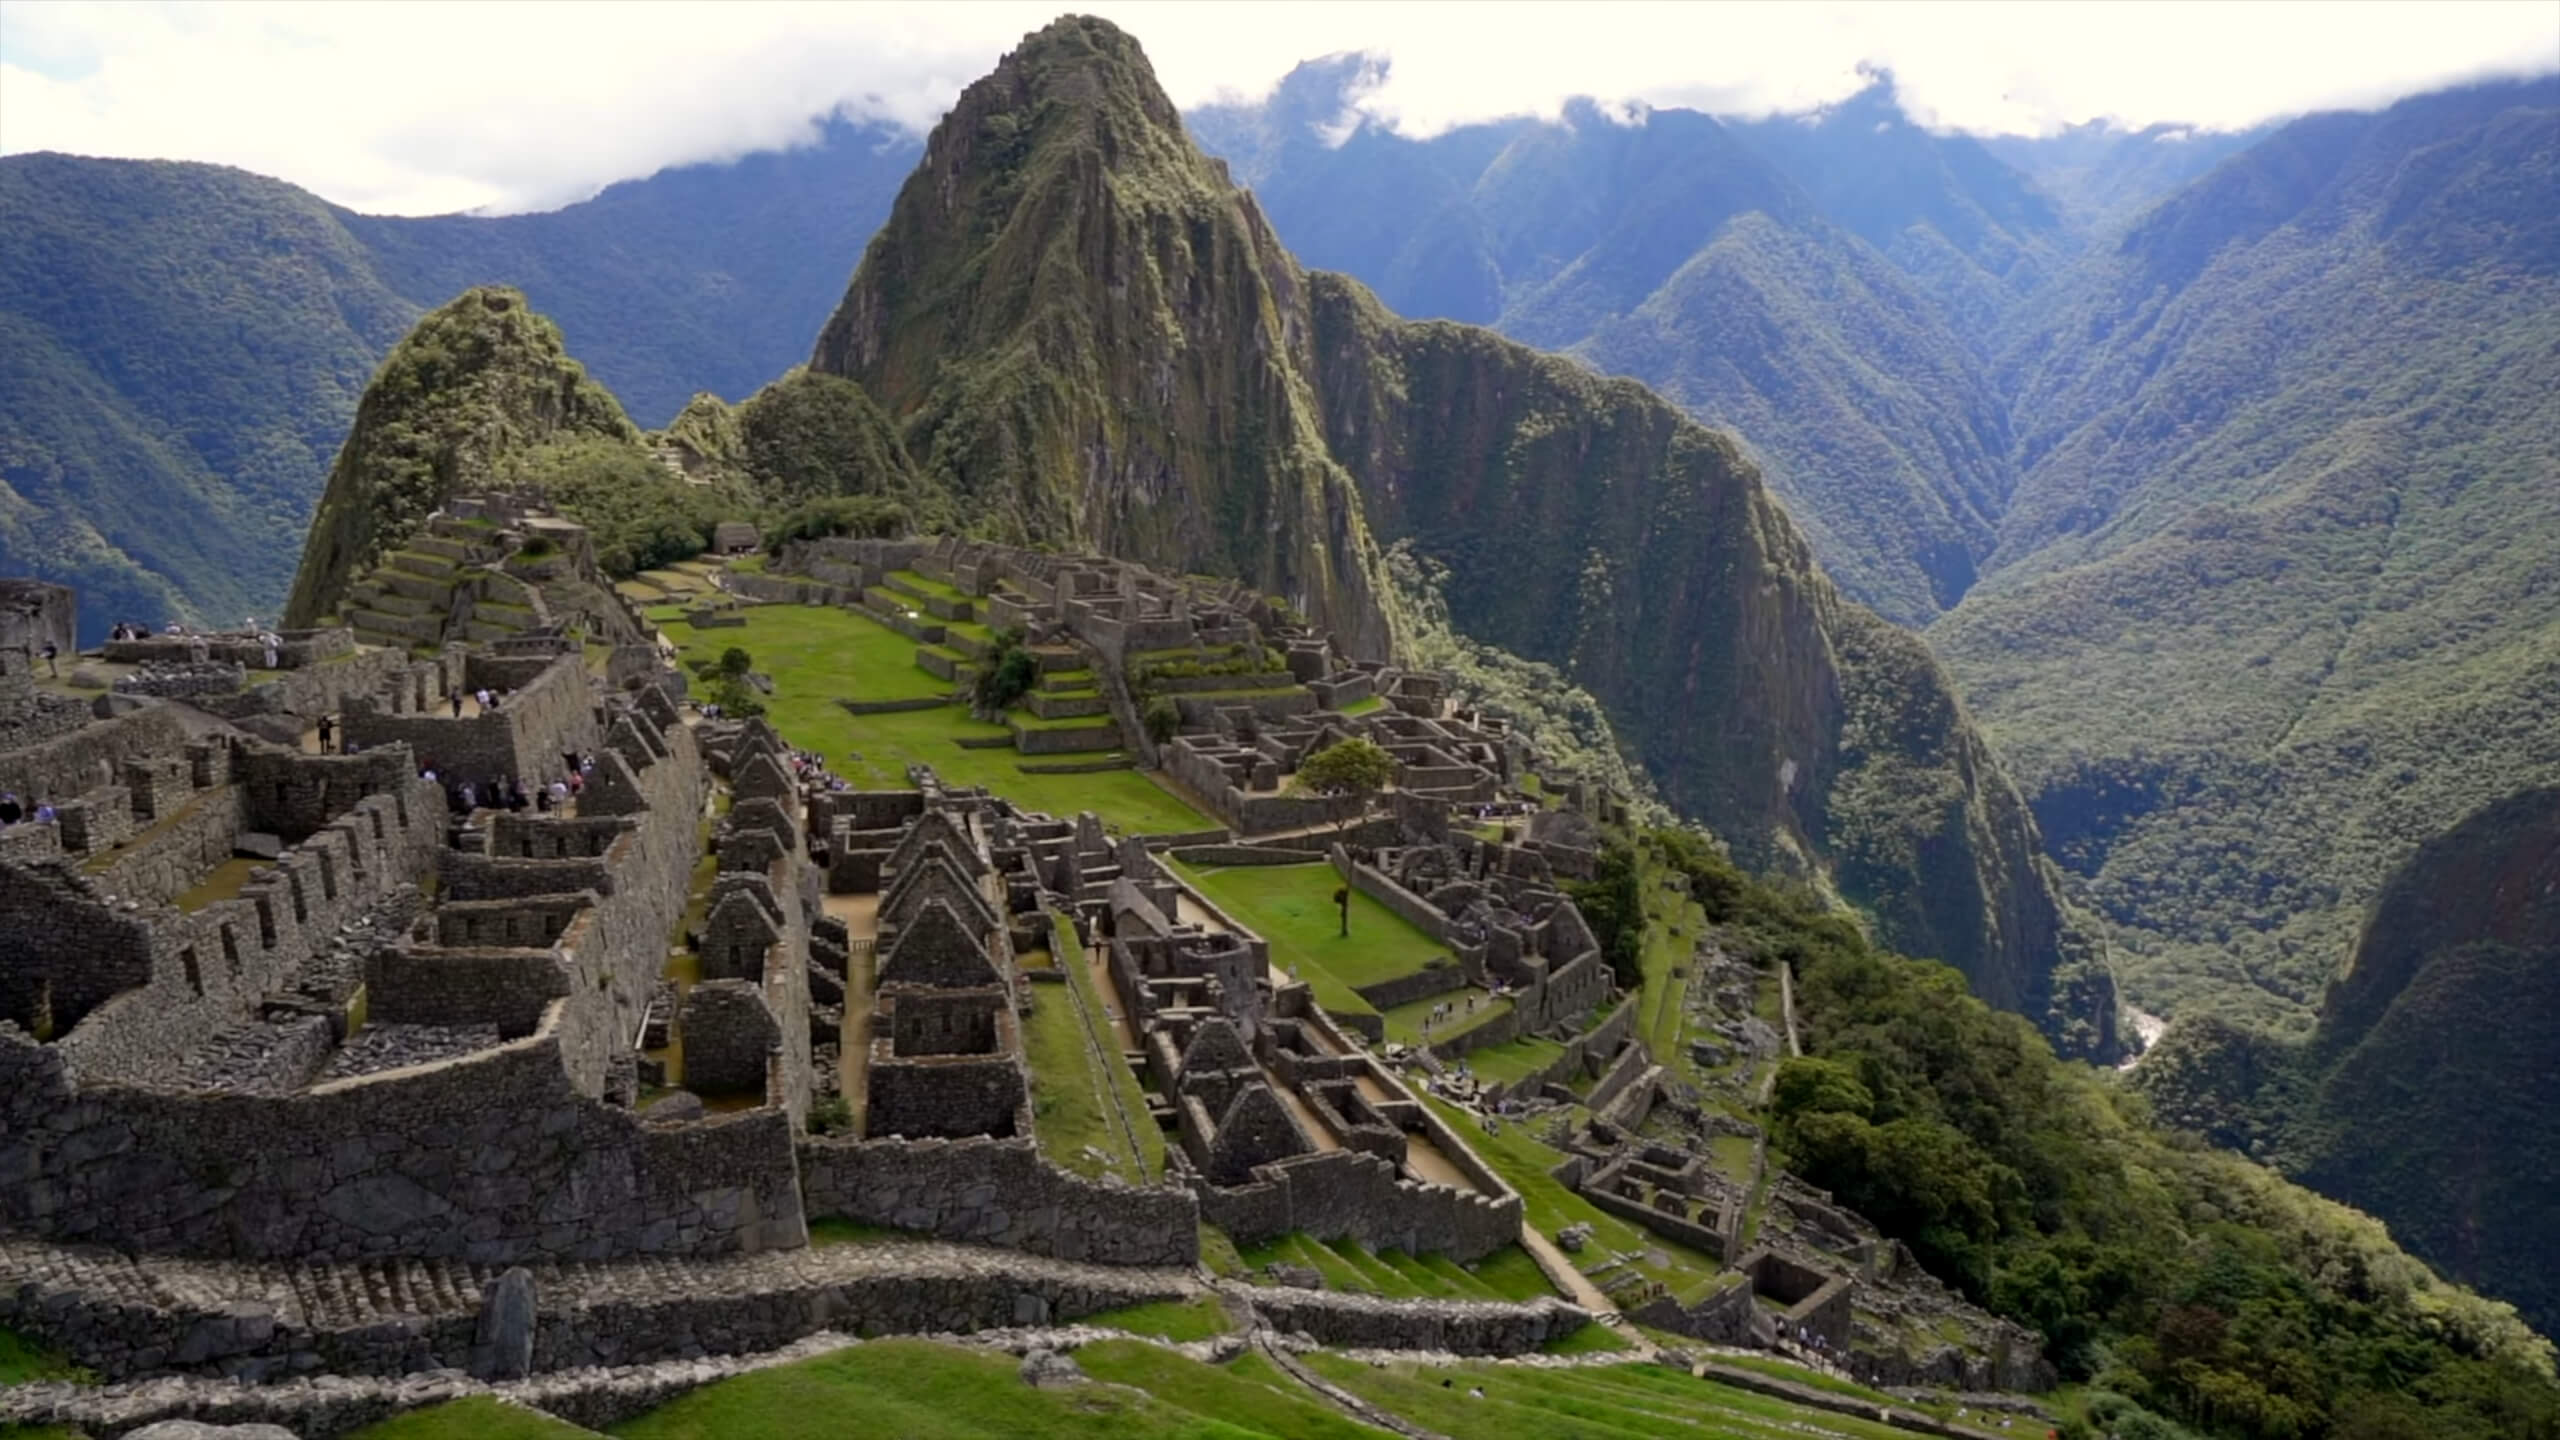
[817, 655]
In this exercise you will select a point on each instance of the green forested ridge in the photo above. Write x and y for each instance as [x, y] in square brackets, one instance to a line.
[465, 397]
[2183, 1278]
[1584, 523]
[1685, 252]
[182, 346]
[2427, 1094]
[2286, 600]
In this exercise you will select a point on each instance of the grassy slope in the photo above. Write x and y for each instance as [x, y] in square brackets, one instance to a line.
[816, 655]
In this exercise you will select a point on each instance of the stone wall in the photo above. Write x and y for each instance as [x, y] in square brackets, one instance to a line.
[137, 988]
[1451, 1327]
[491, 1158]
[90, 756]
[171, 857]
[1344, 1195]
[997, 1192]
[523, 739]
[1585, 1054]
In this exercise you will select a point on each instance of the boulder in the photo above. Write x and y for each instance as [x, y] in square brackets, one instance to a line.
[1050, 1370]
[503, 1347]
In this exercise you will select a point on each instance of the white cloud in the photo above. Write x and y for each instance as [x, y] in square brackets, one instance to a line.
[419, 108]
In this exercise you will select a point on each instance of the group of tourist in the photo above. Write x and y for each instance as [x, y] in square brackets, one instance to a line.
[511, 794]
[809, 769]
[13, 811]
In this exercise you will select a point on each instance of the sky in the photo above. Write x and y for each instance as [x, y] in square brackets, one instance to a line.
[469, 105]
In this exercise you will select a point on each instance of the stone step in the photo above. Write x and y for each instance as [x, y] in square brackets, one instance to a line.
[435, 590]
[457, 551]
[418, 562]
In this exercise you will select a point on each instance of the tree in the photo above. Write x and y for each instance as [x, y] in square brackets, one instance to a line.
[1005, 675]
[729, 686]
[1162, 718]
[1347, 773]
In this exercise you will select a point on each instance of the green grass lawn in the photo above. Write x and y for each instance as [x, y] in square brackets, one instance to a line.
[1292, 907]
[1247, 1390]
[1364, 707]
[1514, 1060]
[1199, 1318]
[1521, 1403]
[478, 1417]
[1506, 1274]
[816, 654]
[22, 1360]
[1078, 1080]
[1523, 1161]
[917, 1390]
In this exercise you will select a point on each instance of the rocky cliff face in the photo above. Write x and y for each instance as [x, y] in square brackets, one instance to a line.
[1087, 335]
[1586, 523]
[477, 383]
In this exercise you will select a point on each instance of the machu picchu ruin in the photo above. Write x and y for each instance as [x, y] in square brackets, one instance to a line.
[376, 979]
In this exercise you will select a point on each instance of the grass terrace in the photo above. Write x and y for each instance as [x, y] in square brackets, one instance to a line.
[1507, 1274]
[1081, 1089]
[1523, 1162]
[1523, 1403]
[1198, 1318]
[1292, 907]
[817, 654]
[918, 1390]
[477, 1417]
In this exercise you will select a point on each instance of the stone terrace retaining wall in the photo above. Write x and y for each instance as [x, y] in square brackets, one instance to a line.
[1582, 1054]
[1450, 1327]
[124, 1318]
[491, 1158]
[1342, 1194]
[997, 1192]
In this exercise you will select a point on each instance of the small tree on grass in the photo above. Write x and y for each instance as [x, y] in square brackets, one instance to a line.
[729, 687]
[1162, 718]
[1345, 773]
[1005, 675]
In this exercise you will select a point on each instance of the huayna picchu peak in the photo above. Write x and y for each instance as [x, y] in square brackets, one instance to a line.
[1135, 843]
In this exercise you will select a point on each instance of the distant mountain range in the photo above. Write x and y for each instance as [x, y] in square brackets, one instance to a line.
[2223, 472]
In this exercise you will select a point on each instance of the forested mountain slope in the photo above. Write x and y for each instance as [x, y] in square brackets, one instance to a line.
[182, 345]
[1086, 334]
[2427, 1094]
[2278, 597]
[1720, 265]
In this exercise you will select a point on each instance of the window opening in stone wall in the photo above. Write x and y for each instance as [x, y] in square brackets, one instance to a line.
[187, 960]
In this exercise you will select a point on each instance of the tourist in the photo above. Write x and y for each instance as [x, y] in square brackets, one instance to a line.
[542, 799]
[470, 797]
[45, 814]
[11, 812]
[328, 728]
[559, 793]
[50, 651]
